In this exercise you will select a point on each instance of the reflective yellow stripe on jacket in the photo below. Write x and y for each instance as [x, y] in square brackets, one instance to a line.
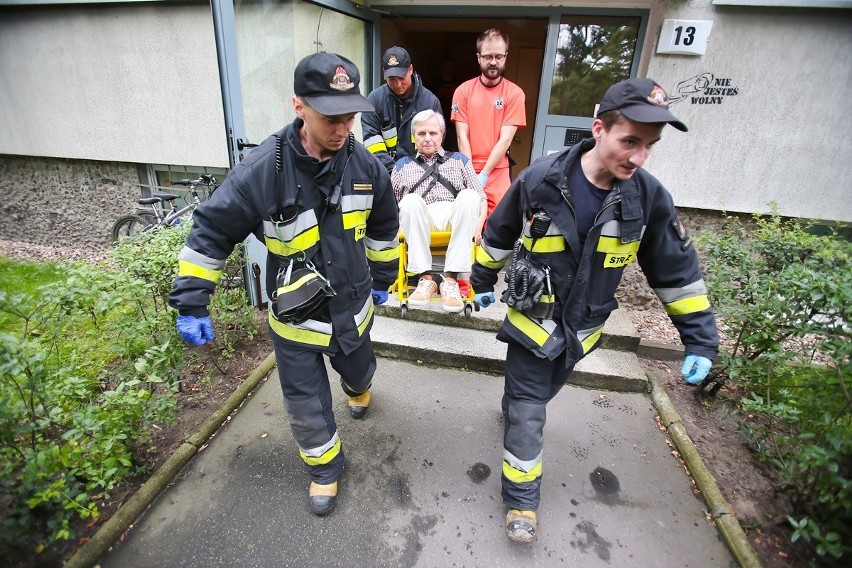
[686, 300]
[192, 263]
[491, 257]
[589, 337]
[293, 237]
[537, 330]
[318, 333]
[375, 144]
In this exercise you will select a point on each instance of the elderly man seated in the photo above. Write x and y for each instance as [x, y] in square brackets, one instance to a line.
[438, 191]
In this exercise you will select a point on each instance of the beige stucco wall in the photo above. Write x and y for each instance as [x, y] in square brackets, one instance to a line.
[128, 83]
[272, 38]
[779, 130]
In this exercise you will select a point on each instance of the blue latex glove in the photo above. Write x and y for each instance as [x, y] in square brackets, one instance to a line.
[379, 296]
[195, 330]
[484, 299]
[695, 368]
[483, 178]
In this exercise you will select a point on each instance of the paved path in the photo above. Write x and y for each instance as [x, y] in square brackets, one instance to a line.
[422, 487]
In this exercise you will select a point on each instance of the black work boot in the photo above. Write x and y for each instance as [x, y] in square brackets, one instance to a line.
[358, 405]
[323, 498]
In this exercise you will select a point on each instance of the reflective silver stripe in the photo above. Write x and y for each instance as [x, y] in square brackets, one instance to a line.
[199, 259]
[373, 244]
[356, 203]
[314, 325]
[669, 295]
[287, 232]
[521, 465]
[495, 253]
[309, 324]
[584, 333]
[374, 140]
[547, 325]
[613, 229]
[364, 312]
[317, 452]
[389, 134]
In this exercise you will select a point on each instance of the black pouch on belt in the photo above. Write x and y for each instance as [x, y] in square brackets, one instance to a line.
[527, 282]
[301, 294]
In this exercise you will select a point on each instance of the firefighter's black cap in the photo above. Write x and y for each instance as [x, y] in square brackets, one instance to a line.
[641, 100]
[330, 84]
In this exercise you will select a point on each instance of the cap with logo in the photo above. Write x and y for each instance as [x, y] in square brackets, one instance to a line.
[641, 100]
[395, 62]
[329, 83]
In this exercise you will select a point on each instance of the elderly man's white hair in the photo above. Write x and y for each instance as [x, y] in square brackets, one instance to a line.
[427, 115]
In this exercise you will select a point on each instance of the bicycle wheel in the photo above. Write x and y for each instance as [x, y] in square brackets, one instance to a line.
[132, 225]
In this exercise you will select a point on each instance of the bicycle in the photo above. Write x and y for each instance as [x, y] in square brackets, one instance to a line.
[143, 220]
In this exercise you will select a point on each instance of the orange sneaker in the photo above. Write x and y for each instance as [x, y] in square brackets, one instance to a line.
[451, 297]
[422, 295]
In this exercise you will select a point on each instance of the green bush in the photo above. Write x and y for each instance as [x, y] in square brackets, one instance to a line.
[785, 296]
[88, 363]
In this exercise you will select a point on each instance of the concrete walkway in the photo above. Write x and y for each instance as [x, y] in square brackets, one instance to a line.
[422, 483]
[422, 487]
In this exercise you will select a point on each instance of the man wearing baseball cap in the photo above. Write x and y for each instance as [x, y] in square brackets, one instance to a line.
[387, 131]
[580, 217]
[322, 205]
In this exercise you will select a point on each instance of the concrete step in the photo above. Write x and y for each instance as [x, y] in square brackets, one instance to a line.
[619, 333]
[478, 350]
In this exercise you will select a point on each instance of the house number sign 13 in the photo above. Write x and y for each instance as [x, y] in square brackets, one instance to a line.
[684, 37]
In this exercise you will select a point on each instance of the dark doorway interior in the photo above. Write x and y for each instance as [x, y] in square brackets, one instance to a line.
[443, 51]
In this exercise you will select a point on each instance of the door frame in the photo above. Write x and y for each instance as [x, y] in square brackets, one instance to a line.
[224, 26]
[553, 15]
[543, 118]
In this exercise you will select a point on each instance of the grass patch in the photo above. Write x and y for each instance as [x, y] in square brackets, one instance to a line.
[24, 278]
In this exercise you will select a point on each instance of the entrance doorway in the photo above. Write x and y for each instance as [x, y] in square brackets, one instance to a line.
[563, 59]
[443, 51]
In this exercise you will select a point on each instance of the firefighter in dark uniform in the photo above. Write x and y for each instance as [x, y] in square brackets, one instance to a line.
[325, 209]
[565, 231]
[387, 131]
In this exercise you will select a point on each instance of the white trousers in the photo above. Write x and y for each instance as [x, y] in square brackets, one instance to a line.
[417, 220]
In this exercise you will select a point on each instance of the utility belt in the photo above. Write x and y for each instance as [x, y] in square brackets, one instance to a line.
[529, 289]
[300, 293]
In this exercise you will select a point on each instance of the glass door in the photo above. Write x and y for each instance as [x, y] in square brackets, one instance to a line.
[585, 54]
[259, 44]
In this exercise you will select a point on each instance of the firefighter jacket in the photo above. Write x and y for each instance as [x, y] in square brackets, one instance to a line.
[387, 132]
[637, 222]
[339, 214]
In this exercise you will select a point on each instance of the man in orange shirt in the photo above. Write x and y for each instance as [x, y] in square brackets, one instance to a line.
[487, 111]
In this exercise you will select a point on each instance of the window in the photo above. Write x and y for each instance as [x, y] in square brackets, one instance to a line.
[592, 53]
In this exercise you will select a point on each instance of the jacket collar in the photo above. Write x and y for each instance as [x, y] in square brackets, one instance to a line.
[627, 191]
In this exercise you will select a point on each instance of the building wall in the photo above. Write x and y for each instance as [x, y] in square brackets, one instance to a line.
[56, 201]
[774, 125]
[132, 82]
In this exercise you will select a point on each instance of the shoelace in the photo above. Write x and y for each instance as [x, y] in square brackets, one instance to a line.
[424, 287]
[450, 289]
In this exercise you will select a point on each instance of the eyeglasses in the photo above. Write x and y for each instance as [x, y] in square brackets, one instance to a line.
[496, 58]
